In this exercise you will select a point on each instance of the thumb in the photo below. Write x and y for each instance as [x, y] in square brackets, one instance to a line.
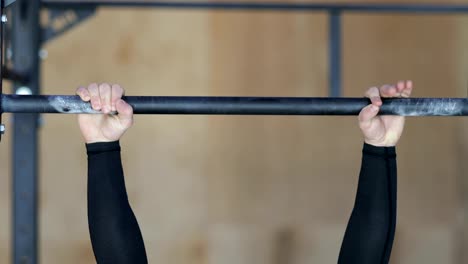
[367, 114]
[125, 112]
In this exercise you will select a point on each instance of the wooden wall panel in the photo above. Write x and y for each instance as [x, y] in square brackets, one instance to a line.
[462, 146]
[5, 191]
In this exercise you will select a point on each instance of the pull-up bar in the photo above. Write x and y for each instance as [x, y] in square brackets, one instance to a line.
[174, 105]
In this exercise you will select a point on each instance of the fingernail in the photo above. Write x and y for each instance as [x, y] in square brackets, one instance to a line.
[376, 100]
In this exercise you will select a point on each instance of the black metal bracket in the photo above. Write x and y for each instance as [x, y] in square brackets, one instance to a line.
[15, 76]
[9, 2]
[60, 21]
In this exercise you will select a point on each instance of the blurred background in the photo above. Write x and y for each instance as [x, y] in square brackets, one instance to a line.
[253, 189]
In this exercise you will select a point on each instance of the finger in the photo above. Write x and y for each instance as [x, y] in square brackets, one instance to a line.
[125, 112]
[388, 91]
[408, 89]
[400, 87]
[374, 95]
[117, 93]
[105, 94]
[83, 93]
[93, 90]
[367, 114]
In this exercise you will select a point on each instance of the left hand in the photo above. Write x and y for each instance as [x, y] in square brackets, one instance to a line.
[383, 131]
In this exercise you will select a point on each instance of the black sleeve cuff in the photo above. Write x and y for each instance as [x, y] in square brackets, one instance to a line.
[101, 147]
[384, 152]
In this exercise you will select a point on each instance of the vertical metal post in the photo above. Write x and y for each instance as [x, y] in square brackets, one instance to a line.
[25, 47]
[2, 32]
[334, 51]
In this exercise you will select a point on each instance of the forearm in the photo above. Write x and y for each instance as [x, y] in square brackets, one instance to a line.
[114, 231]
[371, 228]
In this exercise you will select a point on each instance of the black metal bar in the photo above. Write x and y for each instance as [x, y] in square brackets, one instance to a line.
[25, 47]
[70, 104]
[15, 76]
[334, 53]
[264, 6]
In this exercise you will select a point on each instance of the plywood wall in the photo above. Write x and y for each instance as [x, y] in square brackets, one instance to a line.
[260, 190]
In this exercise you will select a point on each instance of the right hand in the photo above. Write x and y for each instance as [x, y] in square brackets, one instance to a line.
[105, 127]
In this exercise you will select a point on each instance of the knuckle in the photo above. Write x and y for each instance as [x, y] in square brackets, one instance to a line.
[373, 91]
[117, 91]
[104, 86]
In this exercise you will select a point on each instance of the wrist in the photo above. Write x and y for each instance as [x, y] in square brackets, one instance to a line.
[91, 140]
[379, 143]
[389, 139]
[97, 141]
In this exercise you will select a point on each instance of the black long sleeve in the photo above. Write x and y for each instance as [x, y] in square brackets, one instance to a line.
[115, 234]
[116, 237]
[371, 229]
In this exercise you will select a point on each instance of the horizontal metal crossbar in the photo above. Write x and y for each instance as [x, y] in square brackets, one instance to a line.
[66, 104]
[265, 6]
